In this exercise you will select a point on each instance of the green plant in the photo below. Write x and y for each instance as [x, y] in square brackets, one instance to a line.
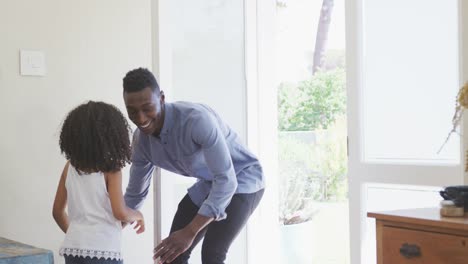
[296, 205]
[312, 104]
[312, 144]
[312, 169]
[331, 161]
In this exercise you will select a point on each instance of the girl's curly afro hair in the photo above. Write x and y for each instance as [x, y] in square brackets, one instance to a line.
[95, 137]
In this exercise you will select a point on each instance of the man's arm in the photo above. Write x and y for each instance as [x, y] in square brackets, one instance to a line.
[138, 184]
[141, 172]
[209, 135]
[181, 240]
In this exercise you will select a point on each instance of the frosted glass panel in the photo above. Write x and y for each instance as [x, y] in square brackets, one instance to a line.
[207, 44]
[410, 80]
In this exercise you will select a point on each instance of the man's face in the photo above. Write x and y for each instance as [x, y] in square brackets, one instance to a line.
[146, 110]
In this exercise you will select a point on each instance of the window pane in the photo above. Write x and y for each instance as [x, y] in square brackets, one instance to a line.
[410, 80]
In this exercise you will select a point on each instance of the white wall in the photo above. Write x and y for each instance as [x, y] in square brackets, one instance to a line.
[89, 46]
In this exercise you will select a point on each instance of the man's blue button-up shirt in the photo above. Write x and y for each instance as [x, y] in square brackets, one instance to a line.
[194, 141]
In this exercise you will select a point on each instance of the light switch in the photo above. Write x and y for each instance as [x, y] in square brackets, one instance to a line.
[32, 62]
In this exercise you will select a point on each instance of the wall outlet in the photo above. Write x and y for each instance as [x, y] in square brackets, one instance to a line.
[32, 63]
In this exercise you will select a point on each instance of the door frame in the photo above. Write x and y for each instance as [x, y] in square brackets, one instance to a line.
[262, 228]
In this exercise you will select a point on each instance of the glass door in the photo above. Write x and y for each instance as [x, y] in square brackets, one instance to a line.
[402, 78]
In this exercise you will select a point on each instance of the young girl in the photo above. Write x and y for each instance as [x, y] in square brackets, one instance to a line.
[95, 141]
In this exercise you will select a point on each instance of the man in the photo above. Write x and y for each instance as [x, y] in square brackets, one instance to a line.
[191, 140]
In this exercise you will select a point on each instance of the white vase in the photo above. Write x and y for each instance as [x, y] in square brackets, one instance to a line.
[297, 243]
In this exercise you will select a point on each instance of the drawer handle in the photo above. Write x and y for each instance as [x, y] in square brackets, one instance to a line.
[410, 251]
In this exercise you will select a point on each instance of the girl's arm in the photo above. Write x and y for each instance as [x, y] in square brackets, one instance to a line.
[119, 208]
[60, 202]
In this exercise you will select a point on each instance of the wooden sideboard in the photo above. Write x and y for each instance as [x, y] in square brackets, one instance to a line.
[420, 236]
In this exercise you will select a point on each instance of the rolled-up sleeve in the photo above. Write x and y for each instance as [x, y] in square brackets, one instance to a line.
[141, 172]
[206, 132]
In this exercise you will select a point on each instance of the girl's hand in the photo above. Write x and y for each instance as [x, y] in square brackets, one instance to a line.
[139, 226]
[140, 223]
[174, 245]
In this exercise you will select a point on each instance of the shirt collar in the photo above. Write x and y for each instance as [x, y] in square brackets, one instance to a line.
[168, 118]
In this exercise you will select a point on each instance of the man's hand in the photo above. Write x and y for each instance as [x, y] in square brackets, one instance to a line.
[174, 245]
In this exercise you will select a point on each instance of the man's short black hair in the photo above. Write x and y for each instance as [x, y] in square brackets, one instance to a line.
[95, 137]
[139, 79]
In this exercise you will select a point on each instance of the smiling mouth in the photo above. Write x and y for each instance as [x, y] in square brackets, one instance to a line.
[146, 125]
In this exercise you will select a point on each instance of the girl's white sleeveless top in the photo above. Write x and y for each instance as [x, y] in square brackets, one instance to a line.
[93, 230]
